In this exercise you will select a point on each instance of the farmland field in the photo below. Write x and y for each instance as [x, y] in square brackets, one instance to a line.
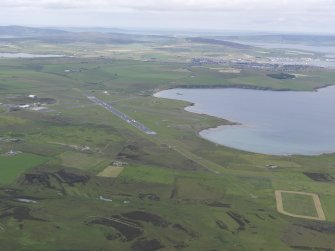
[111, 172]
[13, 166]
[299, 204]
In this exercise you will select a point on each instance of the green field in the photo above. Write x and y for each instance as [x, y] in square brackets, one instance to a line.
[82, 161]
[299, 204]
[13, 166]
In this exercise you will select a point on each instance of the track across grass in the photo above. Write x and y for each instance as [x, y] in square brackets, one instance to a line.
[300, 203]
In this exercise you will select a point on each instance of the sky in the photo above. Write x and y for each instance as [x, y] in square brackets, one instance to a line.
[303, 16]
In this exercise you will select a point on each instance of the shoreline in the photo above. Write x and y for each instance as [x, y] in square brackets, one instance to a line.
[243, 87]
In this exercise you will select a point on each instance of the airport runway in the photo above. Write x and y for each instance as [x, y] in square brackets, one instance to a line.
[122, 116]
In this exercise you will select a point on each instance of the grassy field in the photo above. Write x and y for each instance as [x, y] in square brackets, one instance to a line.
[177, 191]
[13, 166]
[111, 172]
[299, 204]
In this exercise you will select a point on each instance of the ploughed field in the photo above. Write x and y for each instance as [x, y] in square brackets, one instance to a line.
[73, 176]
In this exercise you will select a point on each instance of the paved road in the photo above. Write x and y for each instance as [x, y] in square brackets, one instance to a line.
[121, 115]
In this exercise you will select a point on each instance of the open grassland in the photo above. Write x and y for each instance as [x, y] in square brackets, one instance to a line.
[177, 191]
[13, 166]
[82, 161]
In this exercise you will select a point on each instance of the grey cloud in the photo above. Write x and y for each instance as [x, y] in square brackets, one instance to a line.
[174, 5]
[215, 14]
